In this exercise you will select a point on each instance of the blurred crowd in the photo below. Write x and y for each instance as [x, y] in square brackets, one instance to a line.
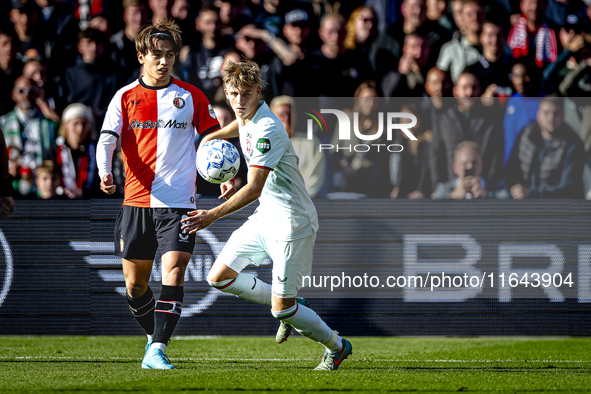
[501, 88]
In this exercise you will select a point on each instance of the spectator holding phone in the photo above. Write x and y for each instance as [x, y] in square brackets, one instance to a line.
[469, 183]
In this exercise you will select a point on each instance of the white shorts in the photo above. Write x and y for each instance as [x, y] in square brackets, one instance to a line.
[291, 259]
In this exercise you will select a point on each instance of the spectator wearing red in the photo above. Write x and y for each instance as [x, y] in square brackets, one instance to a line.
[531, 37]
[75, 153]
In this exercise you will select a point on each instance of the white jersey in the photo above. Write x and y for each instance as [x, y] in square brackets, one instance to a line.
[286, 211]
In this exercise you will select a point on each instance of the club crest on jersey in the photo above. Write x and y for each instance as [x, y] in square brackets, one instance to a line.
[248, 147]
[211, 111]
[137, 103]
[178, 102]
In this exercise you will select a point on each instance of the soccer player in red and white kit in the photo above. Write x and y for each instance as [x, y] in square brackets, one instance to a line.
[156, 118]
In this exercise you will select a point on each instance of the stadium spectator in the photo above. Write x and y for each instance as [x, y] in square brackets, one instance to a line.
[101, 24]
[74, 152]
[296, 31]
[468, 182]
[184, 15]
[312, 161]
[521, 108]
[574, 50]
[363, 173]
[10, 67]
[26, 19]
[438, 85]
[256, 49]
[58, 30]
[409, 79]
[48, 179]
[29, 134]
[414, 20]
[493, 65]
[269, 15]
[409, 170]
[437, 12]
[548, 158]
[231, 16]
[91, 81]
[332, 70]
[160, 9]
[123, 55]
[380, 49]
[577, 85]
[530, 31]
[463, 51]
[202, 66]
[46, 102]
[467, 120]
[291, 73]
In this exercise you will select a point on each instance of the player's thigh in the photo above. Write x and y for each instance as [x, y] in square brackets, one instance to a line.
[134, 234]
[170, 237]
[292, 260]
[242, 249]
[137, 275]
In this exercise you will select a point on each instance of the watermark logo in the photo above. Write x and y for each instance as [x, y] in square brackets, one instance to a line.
[387, 122]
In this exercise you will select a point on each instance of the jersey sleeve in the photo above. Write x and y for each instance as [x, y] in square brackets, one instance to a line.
[204, 118]
[113, 123]
[267, 146]
[110, 133]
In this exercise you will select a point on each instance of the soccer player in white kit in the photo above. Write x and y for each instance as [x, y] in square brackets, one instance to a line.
[284, 225]
[156, 118]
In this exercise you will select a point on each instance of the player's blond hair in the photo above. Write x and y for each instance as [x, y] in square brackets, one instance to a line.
[246, 74]
[165, 29]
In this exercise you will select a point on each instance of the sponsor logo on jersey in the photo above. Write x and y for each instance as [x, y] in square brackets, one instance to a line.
[211, 111]
[178, 102]
[161, 124]
[263, 145]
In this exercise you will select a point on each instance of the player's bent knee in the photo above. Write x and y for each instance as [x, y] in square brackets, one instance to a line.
[222, 285]
[135, 290]
[281, 304]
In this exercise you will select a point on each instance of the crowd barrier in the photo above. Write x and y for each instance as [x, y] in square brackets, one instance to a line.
[58, 274]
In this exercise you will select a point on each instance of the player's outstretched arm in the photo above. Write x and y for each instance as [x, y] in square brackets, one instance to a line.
[201, 219]
[229, 131]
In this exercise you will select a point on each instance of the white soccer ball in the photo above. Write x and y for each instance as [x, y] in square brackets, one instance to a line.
[218, 161]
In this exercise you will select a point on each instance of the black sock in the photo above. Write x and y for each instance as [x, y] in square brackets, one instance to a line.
[168, 312]
[142, 308]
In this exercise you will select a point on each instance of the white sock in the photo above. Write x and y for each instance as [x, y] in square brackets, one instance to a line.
[309, 324]
[247, 287]
[158, 345]
[150, 336]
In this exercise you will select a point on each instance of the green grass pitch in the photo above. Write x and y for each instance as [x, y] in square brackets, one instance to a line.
[258, 365]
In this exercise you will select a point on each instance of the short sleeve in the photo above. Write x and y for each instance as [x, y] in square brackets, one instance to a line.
[204, 118]
[267, 146]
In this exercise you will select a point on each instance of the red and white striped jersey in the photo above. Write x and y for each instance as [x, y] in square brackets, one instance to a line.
[157, 127]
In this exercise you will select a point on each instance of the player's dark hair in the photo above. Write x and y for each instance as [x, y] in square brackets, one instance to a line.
[165, 29]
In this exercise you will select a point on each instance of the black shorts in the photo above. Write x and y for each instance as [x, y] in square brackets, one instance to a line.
[139, 232]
